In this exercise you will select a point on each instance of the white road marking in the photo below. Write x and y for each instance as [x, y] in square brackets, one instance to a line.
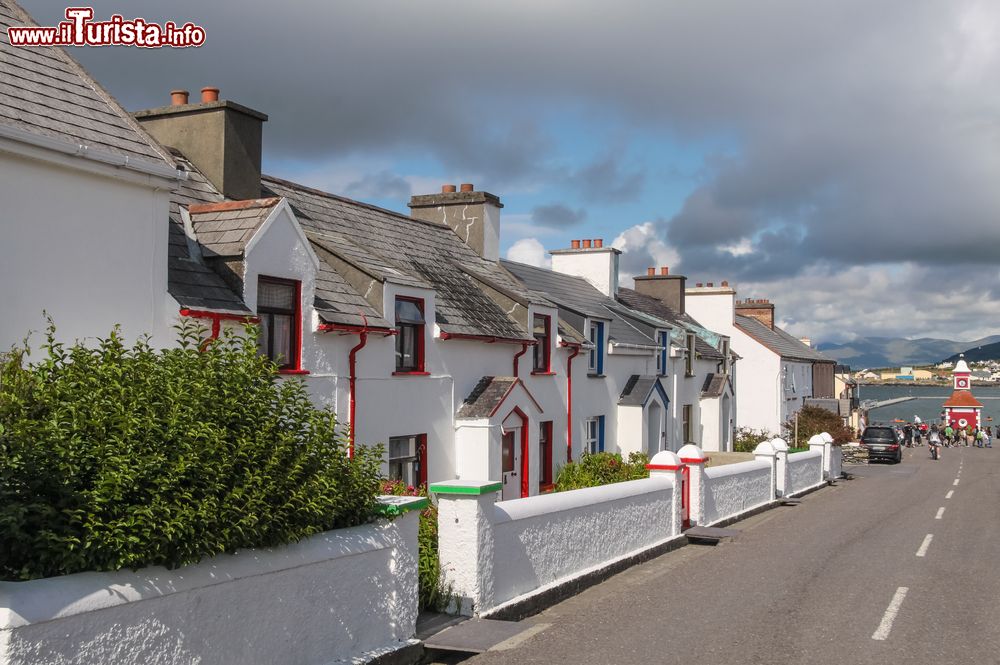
[949, 494]
[940, 512]
[924, 545]
[882, 632]
[956, 482]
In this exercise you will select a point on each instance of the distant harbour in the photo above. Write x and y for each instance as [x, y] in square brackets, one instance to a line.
[928, 404]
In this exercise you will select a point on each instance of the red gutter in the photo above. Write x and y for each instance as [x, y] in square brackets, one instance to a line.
[489, 339]
[217, 318]
[569, 398]
[362, 332]
[524, 349]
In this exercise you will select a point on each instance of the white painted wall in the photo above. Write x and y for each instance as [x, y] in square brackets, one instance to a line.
[334, 596]
[495, 553]
[87, 243]
[599, 266]
[733, 489]
[805, 471]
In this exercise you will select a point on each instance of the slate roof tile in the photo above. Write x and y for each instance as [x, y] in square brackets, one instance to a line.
[779, 341]
[658, 308]
[486, 396]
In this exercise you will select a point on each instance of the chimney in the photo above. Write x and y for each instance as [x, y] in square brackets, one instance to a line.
[221, 138]
[807, 341]
[474, 216]
[665, 287]
[760, 309]
[593, 261]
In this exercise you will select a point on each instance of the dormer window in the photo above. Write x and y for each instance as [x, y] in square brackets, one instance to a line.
[410, 338]
[689, 359]
[596, 337]
[663, 342]
[542, 327]
[278, 307]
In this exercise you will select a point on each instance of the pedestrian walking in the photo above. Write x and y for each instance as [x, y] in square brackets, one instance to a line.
[908, 435]
[949, 435]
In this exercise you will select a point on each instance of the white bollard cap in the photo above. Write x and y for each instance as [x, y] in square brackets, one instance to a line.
[780, 445]
[691, 454]
[764, 448]
[664, 461]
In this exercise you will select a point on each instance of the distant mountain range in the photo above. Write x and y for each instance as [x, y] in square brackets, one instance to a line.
[978, 353]
[867, 352]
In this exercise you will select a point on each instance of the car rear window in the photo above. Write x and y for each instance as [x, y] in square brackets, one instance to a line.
[878, 434]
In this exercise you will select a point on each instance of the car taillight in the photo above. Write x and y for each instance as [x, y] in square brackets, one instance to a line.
[894, 446]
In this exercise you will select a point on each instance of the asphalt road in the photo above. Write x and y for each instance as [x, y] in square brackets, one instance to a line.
[812, 583]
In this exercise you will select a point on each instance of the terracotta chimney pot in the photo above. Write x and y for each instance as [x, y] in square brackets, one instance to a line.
[178, 97]
[650, 271]
[574, 244]
[599, 242]
[664, 270]
[467, 187]
[209, 95]
[586, 243]
[448, 189]
[699, 285]
[725, 283]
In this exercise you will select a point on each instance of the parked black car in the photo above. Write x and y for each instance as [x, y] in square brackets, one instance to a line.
[883, 443]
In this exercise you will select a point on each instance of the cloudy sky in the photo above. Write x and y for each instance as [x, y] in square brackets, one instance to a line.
[841, 158]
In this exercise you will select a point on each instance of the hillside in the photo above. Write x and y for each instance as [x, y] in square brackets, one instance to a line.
[979, 353]
[895, 351]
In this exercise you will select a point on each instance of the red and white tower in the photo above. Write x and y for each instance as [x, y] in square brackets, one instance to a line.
[962, 409]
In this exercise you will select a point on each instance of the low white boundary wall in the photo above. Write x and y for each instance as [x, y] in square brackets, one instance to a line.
[338, 595]
[805, 471]
[737, 488]
[500, 553]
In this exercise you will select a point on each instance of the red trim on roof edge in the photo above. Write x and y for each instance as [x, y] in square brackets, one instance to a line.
[489, 339]
[199, 208]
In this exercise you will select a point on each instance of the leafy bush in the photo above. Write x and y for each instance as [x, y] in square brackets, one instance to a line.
[748, 438]
[815, 420]
[116, 456]
[434, 594]
[595, 469]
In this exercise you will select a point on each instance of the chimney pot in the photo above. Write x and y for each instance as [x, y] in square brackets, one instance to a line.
[209, 95]
[574, 244]
[664, 270]
[599, 242]
[586, 243]
[178, 97]
[698, 284]
[725, 283]
[710, 284]
[467, 187]
[650, 271]
[448, 189]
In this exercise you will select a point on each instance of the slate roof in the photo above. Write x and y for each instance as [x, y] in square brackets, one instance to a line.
[577, 299]
[193, 284]
[636, 390]
[659, 309]
[224, 229]
[488, 394]
[715, 385]
[779, 341]
[45, 92]
[392, 247]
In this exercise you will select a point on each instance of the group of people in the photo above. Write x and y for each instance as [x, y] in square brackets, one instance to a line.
[949, 437]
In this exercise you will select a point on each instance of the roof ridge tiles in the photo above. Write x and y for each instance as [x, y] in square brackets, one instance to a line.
[226, 206]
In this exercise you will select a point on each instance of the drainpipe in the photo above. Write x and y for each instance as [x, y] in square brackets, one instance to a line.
[569, 399]
[517, 356]
[362, 332]
[352, 361]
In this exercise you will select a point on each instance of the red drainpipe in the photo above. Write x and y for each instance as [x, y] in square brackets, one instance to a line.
[524, 349]
[362, 332]
[363, 339]
[569, 399]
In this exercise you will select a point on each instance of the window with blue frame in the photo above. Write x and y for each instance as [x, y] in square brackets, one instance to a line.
[593, 440]
[596, 338]
[663, 342]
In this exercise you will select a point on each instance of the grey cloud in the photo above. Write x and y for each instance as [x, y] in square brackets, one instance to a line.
[380, 185]
[606, 179]
[557, 215]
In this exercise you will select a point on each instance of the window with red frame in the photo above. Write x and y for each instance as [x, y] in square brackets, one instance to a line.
[545, 453]
[410, 338]
[279, 310]
[542, 326]
[408, 459]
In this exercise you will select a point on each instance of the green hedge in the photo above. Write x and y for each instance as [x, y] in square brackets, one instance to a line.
[601, 469]
[115, 456]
